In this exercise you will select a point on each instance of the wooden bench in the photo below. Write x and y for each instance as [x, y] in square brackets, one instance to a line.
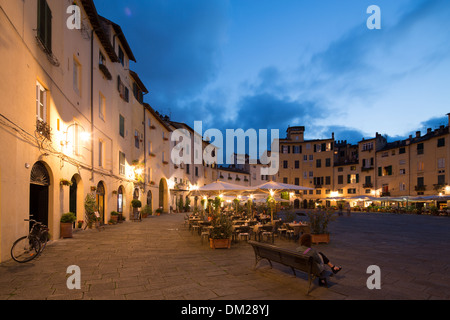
[287, 257]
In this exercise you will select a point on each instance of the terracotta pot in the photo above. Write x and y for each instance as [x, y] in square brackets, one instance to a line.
[320, 238]
[66, 230]
[115, 218]
[220, 243]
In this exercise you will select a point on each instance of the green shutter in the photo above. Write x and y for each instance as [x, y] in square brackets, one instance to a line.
[380, 171]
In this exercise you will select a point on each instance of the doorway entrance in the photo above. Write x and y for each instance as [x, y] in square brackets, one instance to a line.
[39, 193]
[100, 197]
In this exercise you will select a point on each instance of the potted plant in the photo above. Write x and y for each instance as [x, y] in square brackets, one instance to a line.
[114, 217]
[318, 223]
[90, 206]
[221, 232]
[146, 211]
[159, 211]
[66, 223]
[65, 182]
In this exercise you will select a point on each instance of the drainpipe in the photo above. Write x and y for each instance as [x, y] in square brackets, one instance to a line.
[92, 105]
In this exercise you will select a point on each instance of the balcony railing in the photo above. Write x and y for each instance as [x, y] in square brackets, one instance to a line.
[420, 188]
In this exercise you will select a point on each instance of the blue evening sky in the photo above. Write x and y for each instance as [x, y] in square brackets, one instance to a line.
[267, 64]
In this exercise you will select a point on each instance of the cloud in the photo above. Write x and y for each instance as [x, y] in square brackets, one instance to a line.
[177, 44]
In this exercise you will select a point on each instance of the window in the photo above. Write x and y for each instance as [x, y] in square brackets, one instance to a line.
[100, 153]
[340, 179]
[387, 171]
[441, 142]
[122, 163]
[123, 90]
[297, 181]
[44, 25]
[441, 163]
[101, 106]
[318, 163]
[441, 180]
[297, 149]
[121, 56]
[76, 76]
[41, 103]
[402, 150]
[420, 181]
[297, 164]
[136, 138]
[285, 180]
[101, 59]
[402, 171]
[402, 186]
[327, 162]
[285, 164]
[121, 126]
[420, 148]
[420, 166]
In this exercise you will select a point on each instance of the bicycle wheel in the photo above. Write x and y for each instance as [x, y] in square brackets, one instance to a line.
[44, 237]
[25, 249]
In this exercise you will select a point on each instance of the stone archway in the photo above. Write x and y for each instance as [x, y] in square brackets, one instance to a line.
[100, 201]
[39, 193]
[163, 195]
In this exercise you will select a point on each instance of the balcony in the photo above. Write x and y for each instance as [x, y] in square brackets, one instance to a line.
[368, 185]
[385, 194]
[420, 188]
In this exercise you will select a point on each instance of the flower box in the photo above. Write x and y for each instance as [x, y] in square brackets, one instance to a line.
[220, 243]
[320, 238]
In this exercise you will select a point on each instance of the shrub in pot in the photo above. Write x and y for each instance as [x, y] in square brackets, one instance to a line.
[66, 223]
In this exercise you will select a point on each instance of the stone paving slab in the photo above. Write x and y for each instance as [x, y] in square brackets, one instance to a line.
[159, 259]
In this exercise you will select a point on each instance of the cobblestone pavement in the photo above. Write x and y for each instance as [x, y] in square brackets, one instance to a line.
[160, 259]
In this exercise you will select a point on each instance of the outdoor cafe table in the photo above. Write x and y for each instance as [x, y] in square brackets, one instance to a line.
[299, 227]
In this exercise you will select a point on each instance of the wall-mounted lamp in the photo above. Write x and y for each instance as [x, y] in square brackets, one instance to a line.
[84, 135]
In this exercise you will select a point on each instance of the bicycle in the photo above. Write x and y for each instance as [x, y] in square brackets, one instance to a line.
[31, 246]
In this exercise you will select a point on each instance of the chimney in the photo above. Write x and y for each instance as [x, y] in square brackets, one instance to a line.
[417, 134]
[429, 130]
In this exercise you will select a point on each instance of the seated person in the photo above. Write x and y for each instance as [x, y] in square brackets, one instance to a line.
[319, 258]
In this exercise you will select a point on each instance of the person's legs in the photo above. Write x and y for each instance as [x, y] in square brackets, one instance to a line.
[326, 261]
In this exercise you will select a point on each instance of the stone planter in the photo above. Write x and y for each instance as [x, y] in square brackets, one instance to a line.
[115, 218]
[320, 238]
[220, 243]
[66, 230]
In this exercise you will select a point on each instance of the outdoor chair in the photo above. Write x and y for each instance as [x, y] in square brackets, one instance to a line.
[244, 232]
[267, 231]
[289, 232]
[206, 232]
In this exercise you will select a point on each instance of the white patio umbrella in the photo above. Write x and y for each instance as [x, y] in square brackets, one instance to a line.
[221, 186]
[278, 186]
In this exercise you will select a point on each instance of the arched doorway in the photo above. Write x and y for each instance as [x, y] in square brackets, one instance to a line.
[150, 199]
[39, 193]
[100, 199]
[163, 195]
[73, 196]
[296, 204]
[120, 200]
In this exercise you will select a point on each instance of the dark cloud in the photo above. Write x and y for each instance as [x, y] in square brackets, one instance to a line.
[177, 44]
